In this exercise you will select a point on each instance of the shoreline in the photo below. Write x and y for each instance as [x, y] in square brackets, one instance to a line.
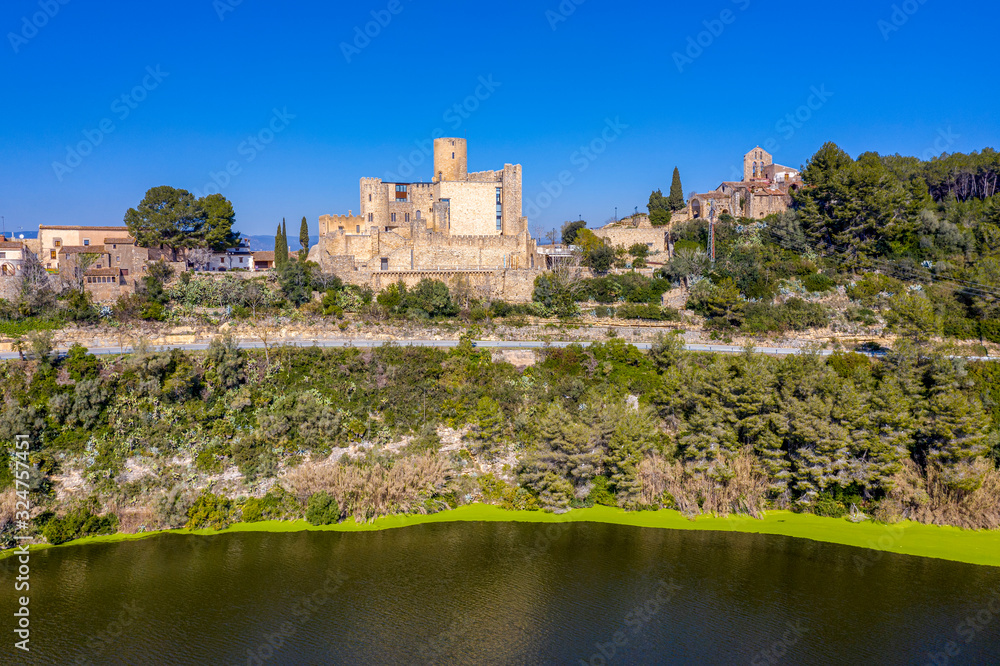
[905, 538]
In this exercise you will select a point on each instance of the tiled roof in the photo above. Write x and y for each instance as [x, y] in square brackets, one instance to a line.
[79, 228]
[102, 272]
[263, 255]
[11, 245]
[82, 249]
[119, 241]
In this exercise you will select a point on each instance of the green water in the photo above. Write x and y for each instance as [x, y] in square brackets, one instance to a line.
[502, 593]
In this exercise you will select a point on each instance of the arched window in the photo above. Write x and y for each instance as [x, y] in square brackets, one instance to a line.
[754, 169]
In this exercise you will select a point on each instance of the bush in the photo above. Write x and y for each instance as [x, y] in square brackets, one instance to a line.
[601, 493]
[829, 507]
[322, 509]
[210, 511]
[867, 289]
[276, 505]
[794, 314]
[818, 282]
[648, 312]
[78, 524]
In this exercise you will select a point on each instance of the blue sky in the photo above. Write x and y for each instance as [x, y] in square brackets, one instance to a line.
[608, 96]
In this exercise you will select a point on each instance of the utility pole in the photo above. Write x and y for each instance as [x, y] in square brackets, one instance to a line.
[711, 230]
[616, 213]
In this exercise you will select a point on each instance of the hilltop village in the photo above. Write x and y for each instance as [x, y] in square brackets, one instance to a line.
[460, 227]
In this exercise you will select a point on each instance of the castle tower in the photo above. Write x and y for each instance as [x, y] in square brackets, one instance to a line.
[451, 159]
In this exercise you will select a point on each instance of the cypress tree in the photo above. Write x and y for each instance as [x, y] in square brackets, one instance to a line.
[676, 199]
[281, 246]
[304, 239]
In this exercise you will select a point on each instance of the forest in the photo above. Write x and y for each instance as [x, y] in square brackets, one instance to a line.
[171, 439]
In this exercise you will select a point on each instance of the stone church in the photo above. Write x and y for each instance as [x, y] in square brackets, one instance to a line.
[763, 191]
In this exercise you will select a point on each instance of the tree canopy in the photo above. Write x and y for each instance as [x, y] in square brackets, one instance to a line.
[174, 218]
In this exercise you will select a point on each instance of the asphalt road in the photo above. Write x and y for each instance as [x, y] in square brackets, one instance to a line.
[483, 344]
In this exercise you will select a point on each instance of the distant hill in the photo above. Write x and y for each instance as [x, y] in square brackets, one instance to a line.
[20, 233]
[259, 242]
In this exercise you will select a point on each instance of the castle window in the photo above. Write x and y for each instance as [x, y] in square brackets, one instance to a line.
[358, 229]
[371, 217]
[86, 242]
[385, 263]
[499, 212]
[52, 254]
[57, 242]
[407, 217]
[393, 217]
[369, 197]
[453, 156]
[402, 193]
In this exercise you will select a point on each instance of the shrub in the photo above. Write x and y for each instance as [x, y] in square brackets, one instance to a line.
[818, 282]
[601, 493]
[648, 312]
[867, 289]
[78, 524]
[794, 314]
[322, 509]
[276, 505]
[210, 511]
[829, 507]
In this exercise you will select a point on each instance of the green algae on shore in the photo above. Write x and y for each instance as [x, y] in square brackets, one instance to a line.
[906, 538]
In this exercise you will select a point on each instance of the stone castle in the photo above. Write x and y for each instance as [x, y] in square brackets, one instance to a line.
[459, 227]
[763, 191]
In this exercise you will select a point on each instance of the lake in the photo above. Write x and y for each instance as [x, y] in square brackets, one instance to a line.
[502, 593]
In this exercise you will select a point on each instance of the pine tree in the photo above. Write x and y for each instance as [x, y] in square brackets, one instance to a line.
[629, 442]
[676, 199]
[486, 434]
[954, 429]
[304, 239]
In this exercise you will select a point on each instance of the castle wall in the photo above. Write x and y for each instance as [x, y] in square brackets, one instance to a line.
[655, 238]
[473, 207]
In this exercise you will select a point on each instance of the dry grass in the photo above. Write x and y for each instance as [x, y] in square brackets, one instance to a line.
[367, 492]
[694, 492]
[926, 499]
[133, 515]
[8, 507]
